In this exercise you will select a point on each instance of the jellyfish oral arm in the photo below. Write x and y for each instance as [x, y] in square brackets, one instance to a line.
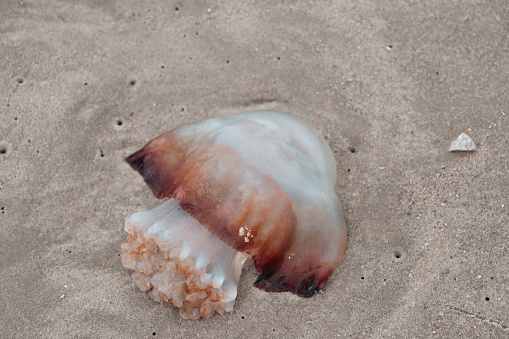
[179, 262]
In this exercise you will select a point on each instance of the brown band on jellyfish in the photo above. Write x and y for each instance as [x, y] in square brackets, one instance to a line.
[259, 184]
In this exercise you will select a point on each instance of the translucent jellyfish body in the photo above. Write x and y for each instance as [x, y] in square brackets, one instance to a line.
[257, 184]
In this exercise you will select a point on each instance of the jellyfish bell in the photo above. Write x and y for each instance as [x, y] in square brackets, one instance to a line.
[257, 185]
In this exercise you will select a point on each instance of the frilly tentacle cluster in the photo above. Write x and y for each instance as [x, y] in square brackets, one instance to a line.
[181, 263]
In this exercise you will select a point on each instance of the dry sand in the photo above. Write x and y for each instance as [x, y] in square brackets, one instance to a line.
[389, 84]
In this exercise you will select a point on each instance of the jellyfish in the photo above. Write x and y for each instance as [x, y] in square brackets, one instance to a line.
[258, 185]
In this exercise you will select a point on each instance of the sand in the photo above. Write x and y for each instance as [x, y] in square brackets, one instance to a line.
[83, 84]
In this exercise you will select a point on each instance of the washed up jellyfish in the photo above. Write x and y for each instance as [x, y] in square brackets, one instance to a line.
[257, 185]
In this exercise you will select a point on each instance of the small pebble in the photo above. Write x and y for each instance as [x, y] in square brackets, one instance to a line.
[463, 143]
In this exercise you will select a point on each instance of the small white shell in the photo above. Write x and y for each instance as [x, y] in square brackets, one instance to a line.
[463, 143]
